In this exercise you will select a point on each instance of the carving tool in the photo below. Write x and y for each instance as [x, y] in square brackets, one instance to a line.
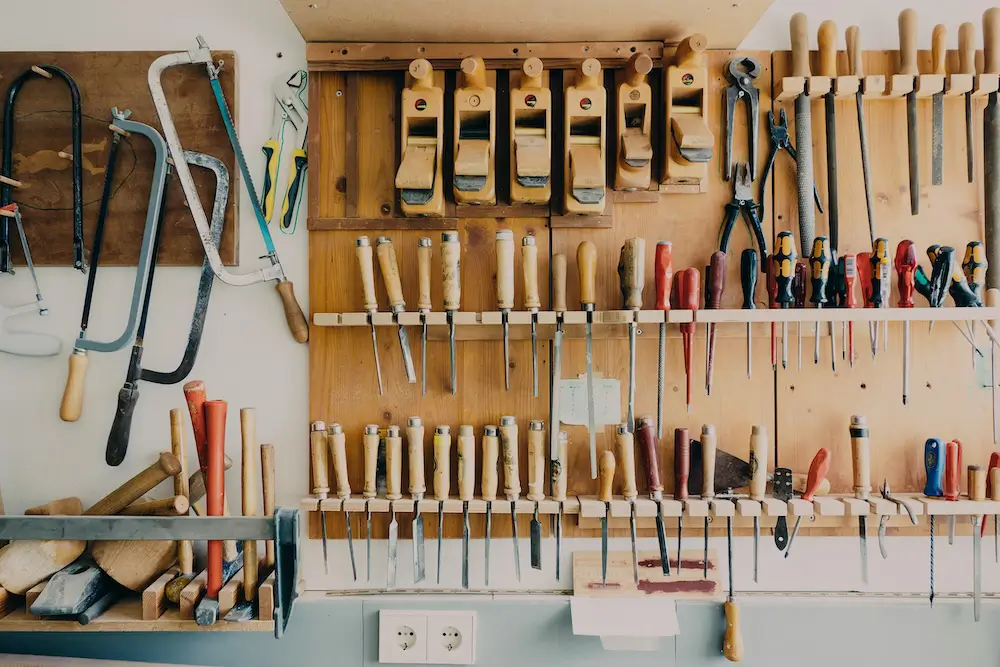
[908, 67]
[466, 489]
[424, 304]
[559, 306]
[370, 445]
[558, 480]
[850, 273]
[799, 279]
[758, 482]
[390, 277]
[586, 264]
[418, 487]
[688, 295]
[799, 29]
[319, 456]
[291, 110]
[716, 283]
[511, 480]
[364, 252]
[337, 441]
[607, 478]
[860, 457]
[529, 265]
[967, 65]
[900, 507]
[536, 485]
[393, 492]
[708, 448]
[934, 469]
[682, 469]
[783, 267]
[939, 51]
[732, 644]
[505, 292]
[442, 481]
[749, 266]
[491, 459]
[818, 470]
[855, 66]
[827, 46]
[663, 272]
[451, 252]
[648, 447]
[632, 276]
[977, 493]
[207, 611]
[626, 454]
[782, 487]
[906, 266]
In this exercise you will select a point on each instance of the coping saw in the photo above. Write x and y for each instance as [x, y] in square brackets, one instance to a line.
[290, 110]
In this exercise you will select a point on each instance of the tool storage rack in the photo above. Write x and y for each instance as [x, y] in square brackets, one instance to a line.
[355, 91]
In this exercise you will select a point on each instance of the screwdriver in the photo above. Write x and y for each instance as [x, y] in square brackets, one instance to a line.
[626, 454]
[466, 489]
[934, 468]
[838, 295]
[363, 250]
[532, 303]
[559, 306]
[709, 444]
[732, 644]
[648, 447]
[974, 266]
[864, 270]
[632, 276]
[749, 267]
[906, 267]
[442, 481]
[716, 280]
[818, 470]
[511, 480]
[491, 459]
[370, 490]
[881, 270]
[424, 305]
[799, 294]
[418, 487]
[451, 253]
[586, 265]
[558, 480]
[505, 292]
[758, 482]
[606, 479]
[682, 469]
[688, 296]
[819, 269]
[850, 301]
[337, 441]
[320, 457]
[772, 302]
[390, 276]
[536, 486]
[664, 275]
[783, 263]
[862, 481]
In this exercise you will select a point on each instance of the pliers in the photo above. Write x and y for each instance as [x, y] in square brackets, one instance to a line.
[780, 141]
[743, 202]
[290, 111]
[741, 74]
[900, 505]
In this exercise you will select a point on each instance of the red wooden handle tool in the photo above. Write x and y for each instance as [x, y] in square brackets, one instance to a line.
[664, 273]
[994, 463]
[952, 470]
[215, 485]
[688, 298]
[906, 267]
[818, 470]
[194, 394]
[647, 450]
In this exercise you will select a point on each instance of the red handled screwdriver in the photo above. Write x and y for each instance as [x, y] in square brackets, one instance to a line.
[783, 266]
[799, 293]
[713, 300]
[688, 297]
[906, 268]
[865, 278]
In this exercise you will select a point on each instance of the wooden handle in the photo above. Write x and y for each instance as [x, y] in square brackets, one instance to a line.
[588, 74]
[172, 506]
[709, 444]
[336, 441]
[586, 266]
[967, 48]
[529, 266]
[991, 41]
[215, 486]
[827, 43]
[491, 460]
[625, 444]
[606, 474]
[466, 462]
[424, 252]
[818, 470]
[690, 49]
[505, 269]
[952, 463]
[632, 272]
[977, 483]
[320, 459]
[165, 466]
[390, 273]
[451, 253]
[370, 445]
[473, 72]
[296, 319]
[682, 463]
[861, 457]
[536, 461]
[72, 398]
[532, 69]
[365, 262]
[422, 72]
[648, 451]
[732, 645]
[855, 64]
[415, 454]
[509, 453]
[195, 397]
[248, 440]
[558, 469]
[939, 49]
[559, 283]
[758, 462]
[639, 65]
[663, 273]
[442, 463]
[267, 486]
[799, 29]
[394, 464]
[62, 507]
[908, 43]
[185, 548]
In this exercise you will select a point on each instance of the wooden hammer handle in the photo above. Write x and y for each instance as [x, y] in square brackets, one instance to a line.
[248, 431]
[165, 466]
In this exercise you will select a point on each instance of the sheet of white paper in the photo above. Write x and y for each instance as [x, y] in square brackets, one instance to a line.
[630, 643]
[573, 401]
[624, 617]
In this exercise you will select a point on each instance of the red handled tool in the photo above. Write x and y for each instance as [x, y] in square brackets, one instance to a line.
[906, 268]
[663, 270]
[713, 301]
[682, 470]
[818, 470]
[688, 297]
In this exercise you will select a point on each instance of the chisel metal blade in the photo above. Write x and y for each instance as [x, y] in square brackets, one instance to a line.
[326, 557]
[378, 366]
[534, 353]
[536, 541]
[517, 546]
[423, 355]
[350, 545]
[951, 530]
[404, 346]
[451, 351]
[554, 419]
[393, 546]
[913, 153]
[976, 566]
[419, 553]
[680, 532]
[604, 549]
[863, 534]
[506, 351]
[970, 141]
[756, 544]
[440, 534]
[559, 521]
[937, 138]
[465, 545]
[635, 554]
[368, 539]
[489, 532]
[661, 541]
[591, 428]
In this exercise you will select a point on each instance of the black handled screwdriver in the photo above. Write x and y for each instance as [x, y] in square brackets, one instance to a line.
[783, 267]
[881, 269]
[820, 261]
[799, 292]
[749, 266]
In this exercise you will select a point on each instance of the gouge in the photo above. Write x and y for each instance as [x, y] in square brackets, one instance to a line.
[442, 481]
[607, 477]
[366, 264]
[370, 444]
[393, 492]
[505, 292]
[532, 303]
[626, 453]
[558, 479]
[491, 460]
[466, 488]
[536, 486]
[390, 276]
[586, 264]
[321, 478]
[511, 480]
[418, 487]
[337, 441]
[424, 304]
[451, 253]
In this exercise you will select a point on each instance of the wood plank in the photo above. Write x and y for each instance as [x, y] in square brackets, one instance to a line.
[265, 600]
[380, 224]
[191, 594]
[229, 594]
[154, 598]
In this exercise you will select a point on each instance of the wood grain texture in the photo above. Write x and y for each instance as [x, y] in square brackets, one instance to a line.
[108, 79]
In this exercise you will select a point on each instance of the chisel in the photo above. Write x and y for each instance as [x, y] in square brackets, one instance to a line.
[626, 454]
[939, 51]
[586, 264]
[424, 303]
[505, 292]
[607, 477]
[337, 441]
[709, 444]
[934, 469]
[967, 65]
[394, 288]
[365, 261]
[321, 478]
[511, 480]
[855, 67]
[558, 479]
[648, 447]
[758, 483]
[977, 493]
[559, 306]
[908, 67]
[532, 303]
[632, 275]
[799, 30]
[862, 481]
[491, 459]
[451, 253]
[370, 445]
[418, 487]
[663, 270]
[536, 486]
[466, 488]
[827, 47]
[442, 481]
[682, 468]
[393, 492]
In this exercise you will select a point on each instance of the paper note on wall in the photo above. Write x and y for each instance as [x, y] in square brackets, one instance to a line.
[573, 401]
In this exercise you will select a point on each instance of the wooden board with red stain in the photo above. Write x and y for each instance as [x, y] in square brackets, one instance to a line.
[689, 584]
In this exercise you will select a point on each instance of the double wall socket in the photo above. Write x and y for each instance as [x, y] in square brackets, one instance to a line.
[427, 637]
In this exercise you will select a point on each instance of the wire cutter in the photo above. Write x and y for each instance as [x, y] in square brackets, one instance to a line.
[290, 112]
[743, 202]
[741, 74]
[780, 141]
[900, 505]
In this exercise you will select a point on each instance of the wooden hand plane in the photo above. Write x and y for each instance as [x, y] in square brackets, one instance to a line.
[475, 135]
[690, 143]
[419, 177]
[531, 134]
[635, 150]
[586, 116]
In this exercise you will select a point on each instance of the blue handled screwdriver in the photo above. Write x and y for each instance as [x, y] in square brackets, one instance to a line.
[934, 466]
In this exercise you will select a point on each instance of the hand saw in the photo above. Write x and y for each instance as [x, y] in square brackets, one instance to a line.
[290, 115]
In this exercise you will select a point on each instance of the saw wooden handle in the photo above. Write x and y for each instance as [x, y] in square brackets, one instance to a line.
[826, 40]
[861, 457]
[415, 454]
[62, 507]
[559, 283]
[165, 466]
[336, 441]
[267, 487]
[758, 462]
[442, 462]
[466, 462]
[939, 49]
[529, 266]
[491, 459]
[393, 464]
[558, 469]
[248, 433]
[536, 460]
[606, 474]
[215, 486]
[855, 64]
[451, 266]
[799, 30]
[296, 319]
[195, 396]
[908, 43]
[72, 400]
[319, 458]
[967, 48]
[505, 269]
[370, 443]
[509, 453]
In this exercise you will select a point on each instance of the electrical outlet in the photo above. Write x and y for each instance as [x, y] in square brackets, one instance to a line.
[451, 637]
[402, 636]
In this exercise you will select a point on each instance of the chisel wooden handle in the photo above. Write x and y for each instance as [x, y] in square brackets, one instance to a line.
[558, 469]
[390, 273]
[442, 462]
[466, 462]
[536, 460]
[366, 263]
[994, 481]
[732, 646]
[625, 444]
[267, 487]
[606, 475]
[248, 441]
[861, 457]
[415, 454]
[586, 266]
[632, 272]
[529, 266]
[818, 470]
[991, 41]
[185, 548]
[451, 253]
[648, 446]
[370, 444]
[172, 506]
[195, 396]
[709, 444]
[491, 459]
[71, 406]
[424, 253]
[165, 466]
[939, 49]
[294, 317]
[508, 450]
[505, 269]
[799, 30]
[559, 283]
[967, 48]
[62, 507]
[394, 464]
[758, 462]
[336, 441]
[855, 64]
[215, 485]
[908, 43]
[663, 273]
[977, 484]
[826, 40]
[952, 465]
[320, 459]
[682, 463]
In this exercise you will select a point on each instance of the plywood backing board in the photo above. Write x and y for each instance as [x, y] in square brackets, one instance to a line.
[107, 79]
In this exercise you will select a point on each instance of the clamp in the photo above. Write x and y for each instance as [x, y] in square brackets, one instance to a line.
[900, 505]
[290, 109]
[741, 74]
[780, 140]
[743, 202]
